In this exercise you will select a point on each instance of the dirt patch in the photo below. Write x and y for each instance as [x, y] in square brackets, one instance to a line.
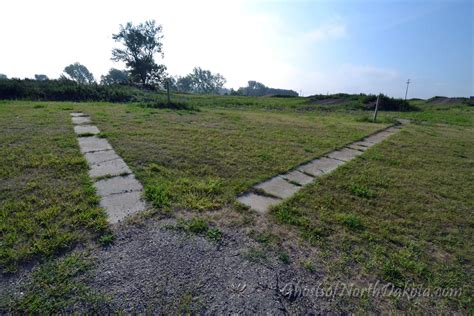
[159, 270]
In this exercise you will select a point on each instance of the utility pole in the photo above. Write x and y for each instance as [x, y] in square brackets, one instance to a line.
[376, 108]
[406, 92]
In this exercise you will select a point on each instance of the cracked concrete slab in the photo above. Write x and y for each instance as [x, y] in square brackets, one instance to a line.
[109, 168]
[345, 154]
[90, 144]
[278, 187]
[298, 177]
[257, 202]
[121, 205]
[77, 120]
[86, 129]
[101, 156]
[117, 185]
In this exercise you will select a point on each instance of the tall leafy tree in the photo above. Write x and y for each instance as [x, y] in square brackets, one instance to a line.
[78, 73]
[115, 76]
[140, 43]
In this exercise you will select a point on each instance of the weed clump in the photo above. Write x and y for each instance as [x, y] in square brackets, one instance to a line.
[361, 191]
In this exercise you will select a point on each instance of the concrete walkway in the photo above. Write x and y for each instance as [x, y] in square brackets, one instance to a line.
[119, 191]
[283, 186]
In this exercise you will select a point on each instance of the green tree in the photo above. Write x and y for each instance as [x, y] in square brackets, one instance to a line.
[204, 81]
[115, 76]
[185, 84]
[141, 42]
[201, 81]
[78, 73]
[41, 77]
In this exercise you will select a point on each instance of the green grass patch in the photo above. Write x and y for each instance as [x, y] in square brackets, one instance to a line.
[47, 201]
[405, 222]
[199, 226]
[53, 288]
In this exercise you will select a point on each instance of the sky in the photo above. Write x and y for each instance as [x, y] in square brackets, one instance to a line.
[312, 47]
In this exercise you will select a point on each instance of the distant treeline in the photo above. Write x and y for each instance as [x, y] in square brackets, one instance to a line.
[71, 90]
[64, 90]
[257, 89]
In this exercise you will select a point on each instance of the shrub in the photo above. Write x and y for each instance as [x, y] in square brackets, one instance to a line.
[64, 90]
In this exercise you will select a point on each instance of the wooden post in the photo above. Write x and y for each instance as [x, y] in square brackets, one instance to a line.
[168, 90]
[376, 108]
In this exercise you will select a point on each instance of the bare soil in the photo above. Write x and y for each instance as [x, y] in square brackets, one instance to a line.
[155, 269]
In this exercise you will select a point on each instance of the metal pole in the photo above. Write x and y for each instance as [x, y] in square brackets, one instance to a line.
[406, 92]
[376, 108]
[168, 90]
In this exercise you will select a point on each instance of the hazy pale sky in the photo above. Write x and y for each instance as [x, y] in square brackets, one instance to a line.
[309, 46]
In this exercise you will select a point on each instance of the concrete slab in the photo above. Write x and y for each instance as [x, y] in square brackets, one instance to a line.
[109, 168]
[90, 144]
[76, 120]
[117, 185]
[281, 187]
[321, 165]
[310, 169]
[357, 147]
[393, 129]
[298, 177]
[119, 206]
[278, 187]
[101, 156]
[257, 202]
[364, 144]
[377, 138]
[345, 154]
[404, 121]
[77, 114]
[86, 129]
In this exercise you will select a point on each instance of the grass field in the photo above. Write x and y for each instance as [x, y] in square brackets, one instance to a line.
[47, 201]
[197, 160]
[400, 213]
[403, 214]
